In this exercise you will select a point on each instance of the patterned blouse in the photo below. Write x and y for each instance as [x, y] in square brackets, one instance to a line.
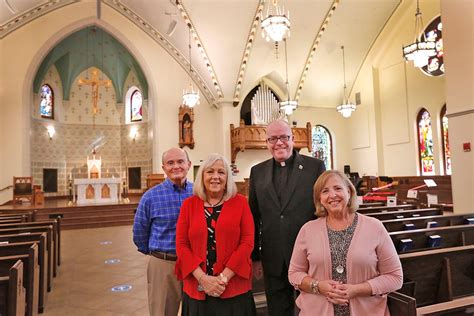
[339, 242]
[211, 214]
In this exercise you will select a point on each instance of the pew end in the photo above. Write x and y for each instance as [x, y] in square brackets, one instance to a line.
[401, 305]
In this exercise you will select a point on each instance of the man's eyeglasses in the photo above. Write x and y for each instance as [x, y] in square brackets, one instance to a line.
[273, 140]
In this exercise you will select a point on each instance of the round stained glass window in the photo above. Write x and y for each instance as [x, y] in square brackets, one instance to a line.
[433, 33]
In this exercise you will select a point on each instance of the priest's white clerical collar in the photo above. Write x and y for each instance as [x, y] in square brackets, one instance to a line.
[283, 163]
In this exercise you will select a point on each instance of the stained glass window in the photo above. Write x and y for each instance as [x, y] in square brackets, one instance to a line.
[433, 33]
[322, 145]
[446, 150]
[425, 143]
[47, 102]
[136, 106]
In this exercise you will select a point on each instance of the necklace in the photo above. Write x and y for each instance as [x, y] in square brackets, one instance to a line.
[215, 204]
[342, 245]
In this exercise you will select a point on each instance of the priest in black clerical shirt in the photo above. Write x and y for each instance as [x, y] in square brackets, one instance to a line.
[281, 200]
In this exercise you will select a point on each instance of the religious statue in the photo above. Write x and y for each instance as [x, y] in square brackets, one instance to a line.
[186, 121]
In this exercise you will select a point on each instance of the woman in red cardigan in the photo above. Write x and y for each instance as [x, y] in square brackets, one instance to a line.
[214, 240]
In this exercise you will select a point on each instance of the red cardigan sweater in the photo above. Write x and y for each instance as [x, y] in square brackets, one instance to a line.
[234, 244]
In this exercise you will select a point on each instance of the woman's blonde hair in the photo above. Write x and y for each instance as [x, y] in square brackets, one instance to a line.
[321, 182]
[200, 190]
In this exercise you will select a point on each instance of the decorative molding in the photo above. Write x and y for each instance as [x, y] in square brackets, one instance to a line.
[248, 48]
[460, 113]
[32, 14]
[315, 45]
[163, 42]
[201, 48]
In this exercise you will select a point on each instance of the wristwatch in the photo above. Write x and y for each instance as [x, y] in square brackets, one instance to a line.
[314, 286]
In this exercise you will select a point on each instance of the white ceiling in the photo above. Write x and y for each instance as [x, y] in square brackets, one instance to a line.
[223, 26]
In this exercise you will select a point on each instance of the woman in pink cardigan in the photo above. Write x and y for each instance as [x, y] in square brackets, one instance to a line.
[343, 263]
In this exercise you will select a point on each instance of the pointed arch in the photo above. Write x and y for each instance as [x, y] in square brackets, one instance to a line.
[322, 145]
[425, 143]
[445, 141]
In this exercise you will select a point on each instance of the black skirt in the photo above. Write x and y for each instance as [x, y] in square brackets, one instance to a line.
[240, 305]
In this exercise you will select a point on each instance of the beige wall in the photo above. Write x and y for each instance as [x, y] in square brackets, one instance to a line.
[458, 37]
[165, 76]
[392, 93]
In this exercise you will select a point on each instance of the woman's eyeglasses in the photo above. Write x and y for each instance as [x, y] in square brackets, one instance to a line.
[273, 140]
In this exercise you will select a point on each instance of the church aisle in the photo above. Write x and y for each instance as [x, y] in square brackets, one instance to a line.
[84, 282]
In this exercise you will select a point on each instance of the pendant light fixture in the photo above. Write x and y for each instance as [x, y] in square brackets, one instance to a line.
[346, 108]
[191, 97]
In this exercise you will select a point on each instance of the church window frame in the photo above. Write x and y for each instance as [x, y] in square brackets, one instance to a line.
[444, 123]
[46, 92]
[136, 115]
[425, 143]
[322, 149]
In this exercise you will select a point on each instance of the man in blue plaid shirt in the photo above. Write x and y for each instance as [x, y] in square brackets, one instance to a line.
[154, 232]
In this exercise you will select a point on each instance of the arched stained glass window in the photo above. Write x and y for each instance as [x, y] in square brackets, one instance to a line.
[47, 102]
[136, 106]
[322, 145]
[425, 143]
[445, 138]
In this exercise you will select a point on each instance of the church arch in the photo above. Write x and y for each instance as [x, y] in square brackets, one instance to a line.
[61, 137]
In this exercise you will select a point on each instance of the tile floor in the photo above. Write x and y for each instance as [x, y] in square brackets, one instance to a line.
[84, 281]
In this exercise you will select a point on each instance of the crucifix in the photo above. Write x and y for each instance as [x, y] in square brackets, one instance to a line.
[95, 82]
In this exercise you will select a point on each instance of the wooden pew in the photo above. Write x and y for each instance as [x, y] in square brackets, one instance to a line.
[385, 208]
[4, 219]
[56, 223]
[457, 306]
[451, 236]
[30, 215]
[25, 240]
[30, 276]
[49, 242]
[405, 213]
[19, 248]
[393, 225]
[439, 275]
[371, 204]
[12, 292]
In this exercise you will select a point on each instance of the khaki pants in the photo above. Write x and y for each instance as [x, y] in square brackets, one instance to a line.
[164, 290]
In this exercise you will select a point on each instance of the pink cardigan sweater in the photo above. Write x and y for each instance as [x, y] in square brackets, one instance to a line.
[371, 257]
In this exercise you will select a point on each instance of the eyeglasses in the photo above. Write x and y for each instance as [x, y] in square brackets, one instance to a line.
[274, 139]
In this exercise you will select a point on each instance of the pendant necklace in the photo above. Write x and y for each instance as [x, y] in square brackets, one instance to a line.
[340, 268]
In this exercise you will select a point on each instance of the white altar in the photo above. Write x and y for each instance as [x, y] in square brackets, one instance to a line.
[97, 191]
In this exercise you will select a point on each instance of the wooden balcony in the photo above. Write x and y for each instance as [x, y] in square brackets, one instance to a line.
[255, 137]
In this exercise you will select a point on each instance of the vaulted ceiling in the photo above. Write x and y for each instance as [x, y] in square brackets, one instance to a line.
[229, 55]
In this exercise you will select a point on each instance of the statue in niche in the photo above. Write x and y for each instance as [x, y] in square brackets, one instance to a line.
[105, 192]
[90, 192]
[186, 121]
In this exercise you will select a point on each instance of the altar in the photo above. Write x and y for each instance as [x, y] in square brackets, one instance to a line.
[97, 191]
[94, 189]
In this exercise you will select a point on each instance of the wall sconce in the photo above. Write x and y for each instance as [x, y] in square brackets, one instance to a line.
[51, 131]
[133, 132]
